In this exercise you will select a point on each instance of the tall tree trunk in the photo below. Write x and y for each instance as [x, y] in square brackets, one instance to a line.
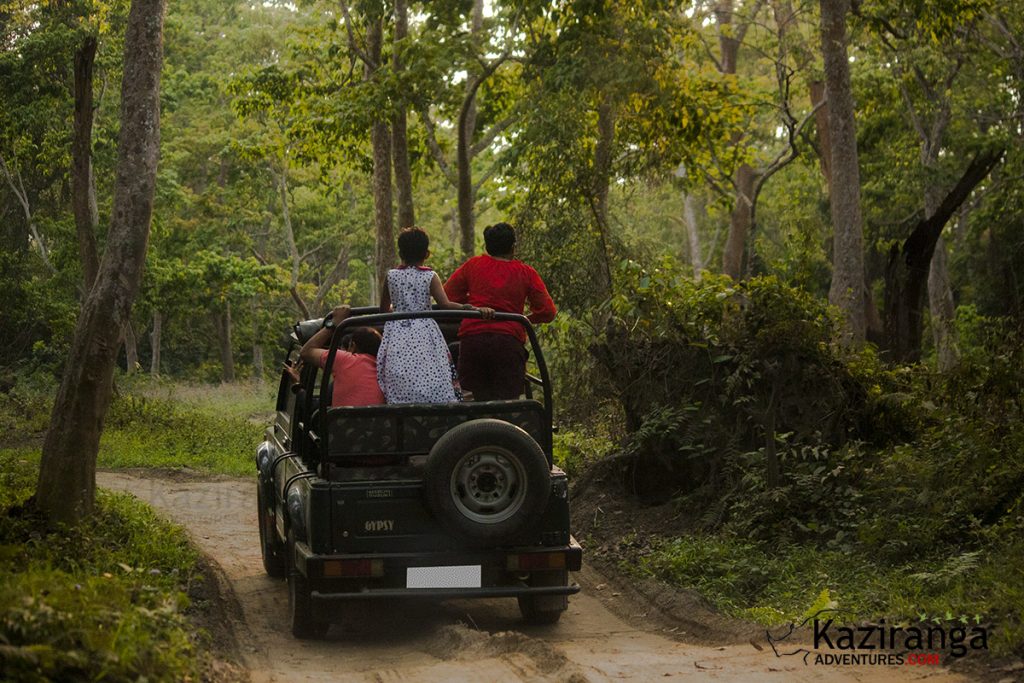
[380, 140]
[18, 188]
[66, 488]
[131, 349]
[289, 234]
[940, 291]
[730, 37]
[83, 198]
[258, 368]
[847, 289]
[222, 322]
[154, 343]
[817, 89]
[399, 132]
[465, 194]
[692, 223]
[740, 221]
[601, 184]
[906, 272]
[942, 309]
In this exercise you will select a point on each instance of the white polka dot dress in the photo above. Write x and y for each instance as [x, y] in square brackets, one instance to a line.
[413, 364]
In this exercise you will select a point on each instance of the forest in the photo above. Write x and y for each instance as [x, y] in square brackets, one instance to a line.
[785, 239]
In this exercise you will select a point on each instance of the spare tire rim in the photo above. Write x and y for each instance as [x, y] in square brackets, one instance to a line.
[488, 485]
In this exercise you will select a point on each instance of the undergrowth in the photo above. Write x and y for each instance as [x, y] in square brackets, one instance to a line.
[106, 600]
[211, 429]
[805, 472]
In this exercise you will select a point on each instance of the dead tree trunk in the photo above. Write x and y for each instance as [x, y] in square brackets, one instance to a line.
[83, 198]
[906, 273]
[847, 289]
[66, 488]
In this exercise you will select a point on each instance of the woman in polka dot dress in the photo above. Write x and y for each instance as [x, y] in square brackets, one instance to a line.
[413, 363]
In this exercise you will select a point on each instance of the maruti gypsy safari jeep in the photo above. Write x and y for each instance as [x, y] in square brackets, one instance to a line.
[438, 501]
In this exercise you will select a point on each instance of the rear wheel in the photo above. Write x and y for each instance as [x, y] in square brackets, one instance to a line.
[271, 549]
[487, 481]
[301, 617]
[545, 609]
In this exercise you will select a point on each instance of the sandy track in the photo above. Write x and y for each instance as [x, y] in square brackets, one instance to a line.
[481, 640]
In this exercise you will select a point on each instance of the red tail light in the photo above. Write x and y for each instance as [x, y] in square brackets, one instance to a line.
[353, 568]
[529, 562]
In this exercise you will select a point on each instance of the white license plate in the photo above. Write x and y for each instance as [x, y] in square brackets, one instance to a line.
[464, 576]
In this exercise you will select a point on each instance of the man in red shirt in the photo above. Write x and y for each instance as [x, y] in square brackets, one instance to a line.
[492, 356]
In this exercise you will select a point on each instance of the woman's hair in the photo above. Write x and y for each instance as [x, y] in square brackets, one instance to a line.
[413, 245]
[499, 239]
[367, 340]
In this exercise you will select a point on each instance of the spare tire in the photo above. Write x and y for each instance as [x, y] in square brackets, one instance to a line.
[487, 481]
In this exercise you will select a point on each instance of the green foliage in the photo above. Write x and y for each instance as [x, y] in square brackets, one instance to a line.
[708, 370]
[775, 583]
[576, 451]
[106, 600]
[152, 424]
[145, 432]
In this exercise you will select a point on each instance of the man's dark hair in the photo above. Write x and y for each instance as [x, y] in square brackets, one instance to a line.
[499, 239]
[367, 340]
[413, 245]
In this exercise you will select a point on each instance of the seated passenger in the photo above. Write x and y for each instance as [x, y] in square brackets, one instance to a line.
[354, 370]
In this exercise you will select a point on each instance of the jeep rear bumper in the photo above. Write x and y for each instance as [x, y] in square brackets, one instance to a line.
[502, 572]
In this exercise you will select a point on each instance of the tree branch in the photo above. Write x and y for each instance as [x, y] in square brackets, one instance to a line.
[485, 141]
[919, 247]
[22, 196]
[435, 148]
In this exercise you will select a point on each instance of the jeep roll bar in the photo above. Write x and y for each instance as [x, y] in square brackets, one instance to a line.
[370, 315]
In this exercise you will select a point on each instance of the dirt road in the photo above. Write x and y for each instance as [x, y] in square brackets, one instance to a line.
[461, 640]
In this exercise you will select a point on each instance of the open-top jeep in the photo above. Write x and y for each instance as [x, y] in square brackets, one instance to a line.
[441, 500]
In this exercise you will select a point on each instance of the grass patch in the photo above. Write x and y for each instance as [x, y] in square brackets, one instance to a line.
[574, 451]
[236, 401]
[772, 585]
[152, 423]
[105, 600]
[154, 432]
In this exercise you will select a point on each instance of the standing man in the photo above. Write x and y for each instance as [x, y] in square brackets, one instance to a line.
[492, 355]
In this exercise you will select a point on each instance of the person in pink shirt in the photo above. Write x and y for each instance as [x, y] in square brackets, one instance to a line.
[355, 368]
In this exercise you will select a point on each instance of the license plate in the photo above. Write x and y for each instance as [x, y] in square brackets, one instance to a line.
[463, 576]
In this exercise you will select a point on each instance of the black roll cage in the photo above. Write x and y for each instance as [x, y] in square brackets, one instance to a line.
[371, 315]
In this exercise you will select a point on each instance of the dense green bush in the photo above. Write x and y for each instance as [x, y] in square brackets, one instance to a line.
[717, 378]
[738, 404]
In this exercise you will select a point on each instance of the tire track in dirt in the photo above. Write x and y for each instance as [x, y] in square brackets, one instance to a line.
[480, 640]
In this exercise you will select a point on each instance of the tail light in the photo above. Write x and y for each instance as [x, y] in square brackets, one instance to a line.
[353, 568]
[528, 562]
